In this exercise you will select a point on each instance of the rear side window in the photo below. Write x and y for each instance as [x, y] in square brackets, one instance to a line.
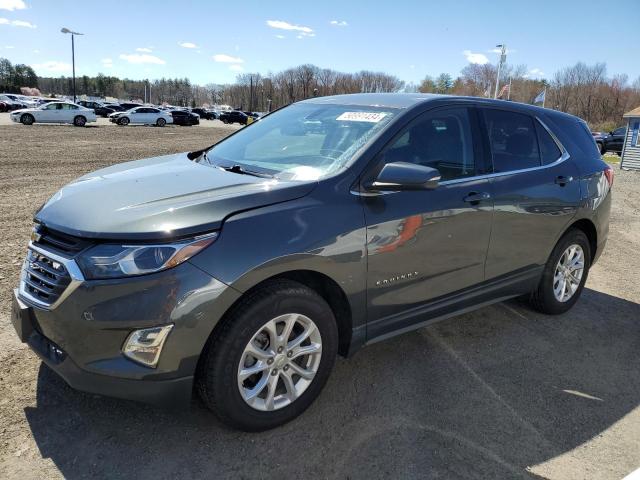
[549, 151]
[513, 140]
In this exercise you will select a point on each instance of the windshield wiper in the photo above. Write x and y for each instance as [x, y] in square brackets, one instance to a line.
[242, 171]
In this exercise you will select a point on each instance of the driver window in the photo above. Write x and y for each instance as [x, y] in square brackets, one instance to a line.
[441, 140]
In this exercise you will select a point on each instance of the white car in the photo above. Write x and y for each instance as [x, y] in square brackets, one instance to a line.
[55, 112]
[142, 116]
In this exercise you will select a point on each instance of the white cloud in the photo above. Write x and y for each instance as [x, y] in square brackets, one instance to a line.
[12, 5]
[142, 58]
[281, 25]
[52, 66]
[236, 68]
[223, 58]
[280, 36]
[187, 45]
[143, 49]
[534, 73]
[107, 62]
[16, 23]
[479, 58]
[338, 23]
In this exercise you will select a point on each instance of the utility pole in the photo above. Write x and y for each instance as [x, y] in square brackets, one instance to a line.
[503, 58]
[251, 92]
[73, 58]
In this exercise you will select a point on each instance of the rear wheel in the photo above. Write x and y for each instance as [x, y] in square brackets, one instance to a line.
[270, 358]
[123, 121]
[601, 148]
[564, 274]
[161, 122]
[27, 119]
[80, 121]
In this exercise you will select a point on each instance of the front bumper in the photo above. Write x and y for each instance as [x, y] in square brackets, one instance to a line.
[81, 339]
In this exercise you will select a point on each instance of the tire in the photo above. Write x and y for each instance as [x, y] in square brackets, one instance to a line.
[218, 376]
[225, 121]
[123, 121]
[161, 122]
[80, 121]
[27, 119]
[601, 148]
[544, 299]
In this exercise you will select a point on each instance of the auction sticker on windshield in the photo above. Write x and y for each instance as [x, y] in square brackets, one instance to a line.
[373, 117]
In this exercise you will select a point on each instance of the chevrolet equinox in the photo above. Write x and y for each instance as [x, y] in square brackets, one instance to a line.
[243, 269]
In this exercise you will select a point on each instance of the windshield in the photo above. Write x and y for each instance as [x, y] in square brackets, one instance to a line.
[302, 142]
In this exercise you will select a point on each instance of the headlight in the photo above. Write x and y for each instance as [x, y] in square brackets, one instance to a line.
[109, 260]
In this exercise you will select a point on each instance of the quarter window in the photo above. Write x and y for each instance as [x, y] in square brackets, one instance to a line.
[441, 140]
[549, 151]
[513, 140]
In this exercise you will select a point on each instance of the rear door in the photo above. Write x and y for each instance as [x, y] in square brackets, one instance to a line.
[426, 244]
[535, 188]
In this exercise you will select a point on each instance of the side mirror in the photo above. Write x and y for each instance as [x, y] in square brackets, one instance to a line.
[405, 176]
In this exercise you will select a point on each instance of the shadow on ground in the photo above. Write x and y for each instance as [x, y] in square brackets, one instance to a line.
[484, 395]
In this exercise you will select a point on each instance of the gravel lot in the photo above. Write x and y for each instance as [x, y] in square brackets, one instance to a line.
[502, 392]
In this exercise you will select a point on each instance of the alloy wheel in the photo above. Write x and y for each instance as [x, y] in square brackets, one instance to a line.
[568, 273]
[279, 362]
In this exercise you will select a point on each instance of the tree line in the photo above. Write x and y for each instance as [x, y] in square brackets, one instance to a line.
[583, 90]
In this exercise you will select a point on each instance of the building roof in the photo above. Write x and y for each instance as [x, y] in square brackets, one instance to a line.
[633, 113]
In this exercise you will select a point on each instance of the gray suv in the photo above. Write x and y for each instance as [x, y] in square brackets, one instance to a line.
[243, 269]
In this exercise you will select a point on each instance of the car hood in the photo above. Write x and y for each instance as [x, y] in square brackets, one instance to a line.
[158, 198]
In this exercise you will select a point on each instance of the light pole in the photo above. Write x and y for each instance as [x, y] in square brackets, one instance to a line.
[73, 58]
[503, 57]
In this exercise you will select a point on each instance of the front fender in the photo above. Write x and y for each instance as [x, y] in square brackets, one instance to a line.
[310, 233]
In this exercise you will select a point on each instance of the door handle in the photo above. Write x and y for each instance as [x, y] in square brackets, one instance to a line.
[476, 197]
[562, 180]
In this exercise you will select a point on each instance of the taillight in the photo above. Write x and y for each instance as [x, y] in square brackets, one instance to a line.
[608, 172]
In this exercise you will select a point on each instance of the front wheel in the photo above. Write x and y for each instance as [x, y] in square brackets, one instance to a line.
[270, 358]
[27, 119]
[564, 274]
[123, 121]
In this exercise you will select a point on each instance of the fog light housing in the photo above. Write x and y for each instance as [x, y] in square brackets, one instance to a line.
[145, 345]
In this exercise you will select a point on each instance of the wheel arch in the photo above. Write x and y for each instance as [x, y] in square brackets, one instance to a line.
[324, 286]
[589, 229]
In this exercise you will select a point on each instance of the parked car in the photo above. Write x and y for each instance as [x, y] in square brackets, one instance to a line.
[611, 142]
[55, 112]
[142, 116]
[184, 118]
[130, 105]
[234, 116]
[99, 108]
[203, 113]
[246, 267]
[7, 104]
[23, 100]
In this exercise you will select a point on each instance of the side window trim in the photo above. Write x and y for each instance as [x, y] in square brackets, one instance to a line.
[373, 167]
[565, 156]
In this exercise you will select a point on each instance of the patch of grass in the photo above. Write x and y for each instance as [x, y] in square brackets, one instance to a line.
[611, 158]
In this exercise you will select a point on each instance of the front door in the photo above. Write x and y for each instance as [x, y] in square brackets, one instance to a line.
[426, 244]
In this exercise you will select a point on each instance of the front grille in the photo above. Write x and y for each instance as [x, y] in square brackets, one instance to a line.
[43, 278]
[57, 241]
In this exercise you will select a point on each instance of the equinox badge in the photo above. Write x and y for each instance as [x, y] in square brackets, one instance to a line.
[388, 281]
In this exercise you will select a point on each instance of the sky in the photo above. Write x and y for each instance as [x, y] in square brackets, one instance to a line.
[212, 41]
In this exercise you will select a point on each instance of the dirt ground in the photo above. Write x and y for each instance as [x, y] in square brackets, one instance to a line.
[502, 392]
